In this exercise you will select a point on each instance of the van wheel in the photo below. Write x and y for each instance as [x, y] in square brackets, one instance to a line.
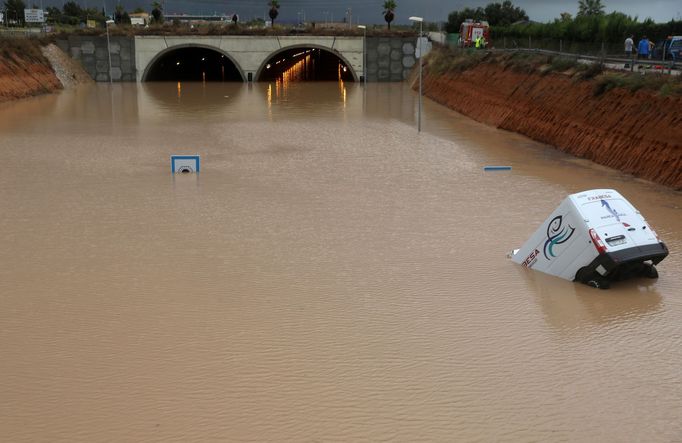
[598, 283]
[650, 271]
[583, 275]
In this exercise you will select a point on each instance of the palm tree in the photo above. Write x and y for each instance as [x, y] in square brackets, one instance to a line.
[389, 15]
[118, 14]
[274, 10]
[157, 12]
[590, 7]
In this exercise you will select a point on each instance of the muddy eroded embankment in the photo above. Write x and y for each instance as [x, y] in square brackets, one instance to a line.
[639, 133]
[29, 68]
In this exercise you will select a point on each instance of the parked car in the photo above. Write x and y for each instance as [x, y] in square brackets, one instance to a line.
[670, 47]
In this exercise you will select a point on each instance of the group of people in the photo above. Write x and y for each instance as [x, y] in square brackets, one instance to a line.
[644, 48]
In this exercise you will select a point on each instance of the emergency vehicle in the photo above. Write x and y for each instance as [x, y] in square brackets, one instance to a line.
[594, 237]
[470, 30]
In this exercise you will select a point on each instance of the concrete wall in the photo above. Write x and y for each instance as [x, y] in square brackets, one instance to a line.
[248, 53]
[93, 54]
[389, 59]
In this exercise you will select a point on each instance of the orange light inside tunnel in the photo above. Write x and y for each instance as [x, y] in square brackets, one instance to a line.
[297, 71]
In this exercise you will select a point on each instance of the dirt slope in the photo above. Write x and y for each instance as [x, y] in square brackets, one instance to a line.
[27, 68]
[638, 133]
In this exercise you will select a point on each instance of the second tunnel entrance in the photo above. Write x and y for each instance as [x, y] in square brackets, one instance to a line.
[305, 64]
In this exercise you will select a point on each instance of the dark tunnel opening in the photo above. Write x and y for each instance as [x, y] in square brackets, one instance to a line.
[306, 64]
[194, 64]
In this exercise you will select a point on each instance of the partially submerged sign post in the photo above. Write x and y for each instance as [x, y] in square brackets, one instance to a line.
[185, 164]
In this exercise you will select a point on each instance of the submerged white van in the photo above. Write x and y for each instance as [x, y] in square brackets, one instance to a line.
[594, 237]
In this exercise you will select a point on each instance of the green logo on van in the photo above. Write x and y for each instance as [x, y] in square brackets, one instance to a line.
[556, 235]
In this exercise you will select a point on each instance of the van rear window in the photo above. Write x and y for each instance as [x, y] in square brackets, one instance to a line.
[606, 210]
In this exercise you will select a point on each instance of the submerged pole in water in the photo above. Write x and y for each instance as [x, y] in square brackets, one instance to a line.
[419, 112]
[108, 22]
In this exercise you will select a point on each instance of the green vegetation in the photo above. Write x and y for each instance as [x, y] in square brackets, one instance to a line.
[562, 64]
[614, 27]
[157, 13]
[591, 25]
[14, 9]
[274, 10]
[23, 47]
[445, 60]
[72, 15]
[496, 14]
[389, 11]
[664, 85]
[590, 8]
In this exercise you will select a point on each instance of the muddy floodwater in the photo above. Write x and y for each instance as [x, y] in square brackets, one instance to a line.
[330, 274]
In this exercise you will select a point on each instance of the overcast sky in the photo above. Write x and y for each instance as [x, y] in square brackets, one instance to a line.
[369, 11]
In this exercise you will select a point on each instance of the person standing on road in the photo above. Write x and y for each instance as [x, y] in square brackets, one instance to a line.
[643, 48]
[629, 45]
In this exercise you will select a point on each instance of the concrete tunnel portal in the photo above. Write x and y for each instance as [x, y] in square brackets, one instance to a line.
[205, 64]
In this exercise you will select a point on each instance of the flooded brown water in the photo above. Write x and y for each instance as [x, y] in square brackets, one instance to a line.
[330, 275]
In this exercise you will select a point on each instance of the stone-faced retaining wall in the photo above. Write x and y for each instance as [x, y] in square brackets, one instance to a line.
[390, 59]
[93, 55]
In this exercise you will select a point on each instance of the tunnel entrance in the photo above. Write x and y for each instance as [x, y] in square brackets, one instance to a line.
[193, 64]
[305, 64]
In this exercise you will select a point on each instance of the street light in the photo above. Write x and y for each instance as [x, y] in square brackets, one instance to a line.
[108, 22]
[364, 52]
[419, 113]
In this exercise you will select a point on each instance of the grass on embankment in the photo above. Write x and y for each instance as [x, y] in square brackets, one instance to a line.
[27, 48]
[444, 60]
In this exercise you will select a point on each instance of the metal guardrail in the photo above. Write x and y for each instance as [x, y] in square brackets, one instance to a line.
[668, 65]
[21, 33]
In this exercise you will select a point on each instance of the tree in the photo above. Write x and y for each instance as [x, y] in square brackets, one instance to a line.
[54, 14]
[566, 17]
[274, 10]
[456, 18]
[505, 13]
[15, 10]
[118, 14]
[138, 10]
[588, 8]
[389, 11]
[157, 12]
[72, 9]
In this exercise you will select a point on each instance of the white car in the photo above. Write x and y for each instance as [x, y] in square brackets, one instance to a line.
[594, 237]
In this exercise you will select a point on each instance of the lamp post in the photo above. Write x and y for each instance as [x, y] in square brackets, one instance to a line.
[108, 22]
[364, 53]
[419, 112]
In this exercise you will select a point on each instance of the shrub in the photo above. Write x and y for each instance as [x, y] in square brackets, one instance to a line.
[561, 64]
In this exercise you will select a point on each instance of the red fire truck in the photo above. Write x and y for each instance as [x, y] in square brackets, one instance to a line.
[470, 30]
